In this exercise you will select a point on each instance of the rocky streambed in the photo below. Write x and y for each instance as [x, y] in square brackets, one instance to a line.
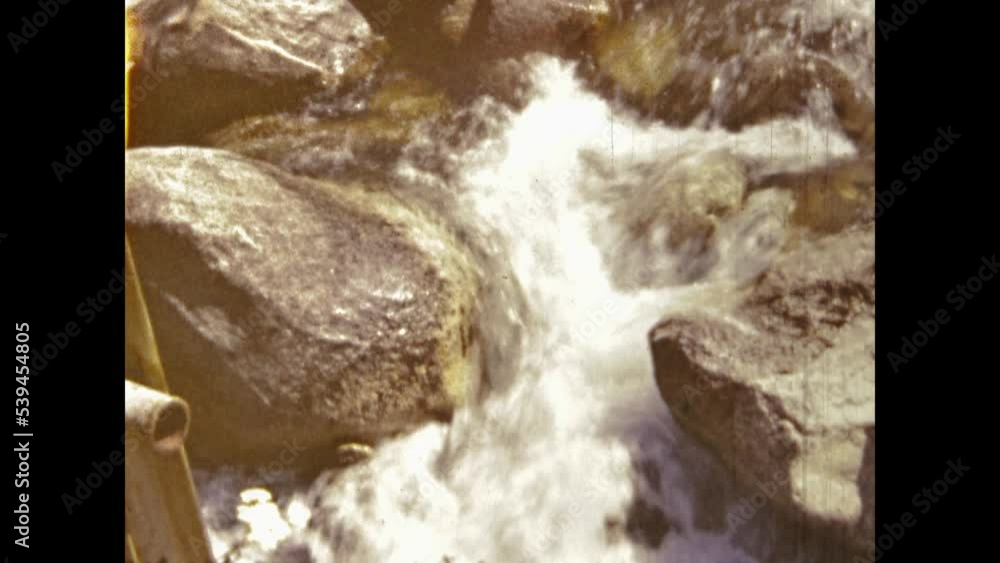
[501, 281]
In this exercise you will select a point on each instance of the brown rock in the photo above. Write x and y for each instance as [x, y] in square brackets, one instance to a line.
[831, 198]
[781, 386]
[775, 85]
[219, 60]
[345, 146]
[292, 313]
[737, 63]
[458, 43]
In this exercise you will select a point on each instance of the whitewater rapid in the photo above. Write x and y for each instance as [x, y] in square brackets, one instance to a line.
[550, 465]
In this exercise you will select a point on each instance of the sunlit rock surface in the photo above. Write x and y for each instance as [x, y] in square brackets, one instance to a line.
[607, 165]
[361, 145]
[214, 61]
[781, 387]
[741, 63]
[290, 313]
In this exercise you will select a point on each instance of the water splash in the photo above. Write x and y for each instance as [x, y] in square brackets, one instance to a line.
[552, 468]
[571, 456]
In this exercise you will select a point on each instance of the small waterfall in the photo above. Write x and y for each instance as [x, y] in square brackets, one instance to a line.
[552, 467]
[570, 455]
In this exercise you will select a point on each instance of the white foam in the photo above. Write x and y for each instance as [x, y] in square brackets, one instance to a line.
[542, 472]
[545, 470]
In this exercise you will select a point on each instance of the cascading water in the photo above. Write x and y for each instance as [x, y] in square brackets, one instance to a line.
[576, 459]
[569, 454]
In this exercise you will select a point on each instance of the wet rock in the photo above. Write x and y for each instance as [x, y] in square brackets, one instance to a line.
[670, 208]
[552, 26]
[688, 194]
[293, 314]
[457, 43]
[349, 454]
[641, 55]
[738, 64]
[781, 385]
[362, 145]
[456, 19]
[775, 85]
[221, 60]
[662, 58]
[831, 198]
[747, 242]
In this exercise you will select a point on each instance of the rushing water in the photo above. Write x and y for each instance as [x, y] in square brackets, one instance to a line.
[571, 456]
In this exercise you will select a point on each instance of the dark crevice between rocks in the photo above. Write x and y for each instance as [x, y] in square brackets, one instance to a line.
[186, 105]
[646, 523]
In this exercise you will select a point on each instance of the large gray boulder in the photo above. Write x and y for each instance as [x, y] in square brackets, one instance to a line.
[204, 63]
[294, 314]
[781, 385]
